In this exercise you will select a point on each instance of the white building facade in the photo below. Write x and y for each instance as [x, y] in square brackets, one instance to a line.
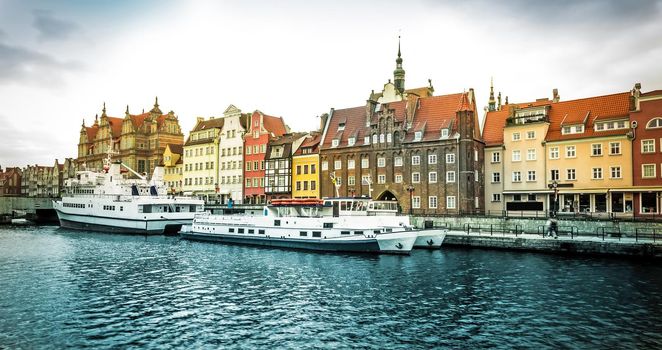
[230, 156]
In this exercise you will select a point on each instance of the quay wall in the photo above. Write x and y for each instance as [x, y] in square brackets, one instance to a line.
[534, 226]
[559, 246]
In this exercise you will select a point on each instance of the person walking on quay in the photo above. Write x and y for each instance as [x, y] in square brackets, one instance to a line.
[552, 227]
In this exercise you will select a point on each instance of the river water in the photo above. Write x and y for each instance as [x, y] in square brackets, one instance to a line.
[62, 288]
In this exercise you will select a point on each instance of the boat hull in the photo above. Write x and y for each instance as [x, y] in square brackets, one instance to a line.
[121, 225]
[386, 243]
[430, 239]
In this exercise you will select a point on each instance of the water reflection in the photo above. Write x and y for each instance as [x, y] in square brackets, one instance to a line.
[63, 288]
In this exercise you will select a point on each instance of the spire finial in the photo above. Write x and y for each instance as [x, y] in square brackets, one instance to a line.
[398, 46]
[156, 102]
[492, 102]
[127, 109]
[103, 110]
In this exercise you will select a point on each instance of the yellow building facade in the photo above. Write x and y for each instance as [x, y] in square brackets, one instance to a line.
[305, 168]
[173, 164]
[201, 159]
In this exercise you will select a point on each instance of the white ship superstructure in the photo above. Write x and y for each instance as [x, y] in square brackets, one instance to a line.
[109, 201]
[305, 224]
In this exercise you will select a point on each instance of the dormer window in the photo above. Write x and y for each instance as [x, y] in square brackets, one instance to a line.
[335, 143]
[418, 136]
[573, 129]
[444, 132]
[341, 126]
[351, 141]
[366, 140]
[621, 124]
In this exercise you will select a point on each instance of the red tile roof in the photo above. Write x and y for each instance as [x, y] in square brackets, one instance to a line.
[209, 124]
[115, 126]
[495, 121]
[275, 125]
[430, 115]
[590, 109]
[581, 111]
[651, 93]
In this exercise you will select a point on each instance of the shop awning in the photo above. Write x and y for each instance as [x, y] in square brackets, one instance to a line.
[527, 191]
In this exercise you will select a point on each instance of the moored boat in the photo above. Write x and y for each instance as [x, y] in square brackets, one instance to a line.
[108, 201]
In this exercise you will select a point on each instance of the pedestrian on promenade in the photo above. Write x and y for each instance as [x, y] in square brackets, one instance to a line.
[552, 227]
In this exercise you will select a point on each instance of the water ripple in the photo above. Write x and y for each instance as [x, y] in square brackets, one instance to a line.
[61, 288]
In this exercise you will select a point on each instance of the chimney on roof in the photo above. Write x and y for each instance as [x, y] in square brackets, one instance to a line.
[323, 118]
[506, 100]
[555, 95]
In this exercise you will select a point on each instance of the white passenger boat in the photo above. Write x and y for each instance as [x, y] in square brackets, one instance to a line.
[108, 201]
[385, 214]
[305, 224]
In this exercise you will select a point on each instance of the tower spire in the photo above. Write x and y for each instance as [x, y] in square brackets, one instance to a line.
[156, 106]
[103, 111]
[492, 102]
[399, 72]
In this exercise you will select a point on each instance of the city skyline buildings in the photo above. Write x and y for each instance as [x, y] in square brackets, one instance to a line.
[59, 65]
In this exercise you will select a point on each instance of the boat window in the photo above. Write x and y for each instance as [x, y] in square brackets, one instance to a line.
[177, 209]
[303, 233]
[231, 230]
[328, 225]
[147, 208]
[241, 230]
[276, 222]
[317, 234]
[389, 230]
[343, 205]
[376, 231]
[327, 203]
[371, 206]
[344, 232]
[260, 232]
[251, 231]
[358, 232]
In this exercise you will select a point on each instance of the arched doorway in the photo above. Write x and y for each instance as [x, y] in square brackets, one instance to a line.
[387, 196]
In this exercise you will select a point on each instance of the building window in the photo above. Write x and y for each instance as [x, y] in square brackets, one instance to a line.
[531, 154]
[450, 202]
[381, 162]
[351, 141]
[516, 156]
[365, 179]
[516, 136]
[398, 178]
[248, 182]
[381, 138]
[325, 165]
[389, 138]
[298, 185]
[570, 151]
[366, 140]
[381, 179]
[530, 135]
[415, 160]
[418, 135]
[496, 197]
[597, 173]
[397, 161]
[648, 171]
[517, 176]
[374, 139]
[432, 177]
[496, 157]
[432, 159]
[596, 149]
[298, 168]
[305, 169]
[450, 158]
[571, 174]
[337, 164]
[496, 177]
[531, 175]
[365, 163]
[313, 185]
[654, 123]
[614, 148]
[554, 153]
[335, 143]
[415, 202]
[615, 172]
[415, 177]
[350, 181]
[444, 132]
[554, 174]
[648, 146]
[432, 202]
[350, 164]
[450, 176]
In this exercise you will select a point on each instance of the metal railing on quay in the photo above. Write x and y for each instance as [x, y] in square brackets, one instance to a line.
[492, 229]
[643, 233]
[544, 214]
[572, 231]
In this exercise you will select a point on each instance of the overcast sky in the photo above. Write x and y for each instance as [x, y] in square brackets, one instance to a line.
[60, 61]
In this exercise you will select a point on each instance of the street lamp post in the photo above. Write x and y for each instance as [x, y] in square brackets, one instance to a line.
[410, 189]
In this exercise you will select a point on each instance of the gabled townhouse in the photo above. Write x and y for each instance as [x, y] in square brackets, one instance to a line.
[173, 168]
[261, 129]
[231, 156]
[201, 159]
[278, 165]
[305, 168]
